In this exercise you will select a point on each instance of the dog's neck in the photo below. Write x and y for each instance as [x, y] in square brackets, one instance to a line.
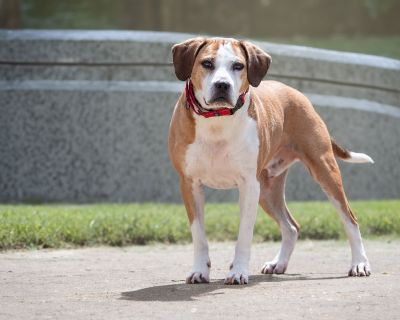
[227, 128]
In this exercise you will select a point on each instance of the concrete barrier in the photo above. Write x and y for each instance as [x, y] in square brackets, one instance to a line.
[85, 115]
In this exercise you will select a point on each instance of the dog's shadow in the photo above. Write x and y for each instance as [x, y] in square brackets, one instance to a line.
[187, 292]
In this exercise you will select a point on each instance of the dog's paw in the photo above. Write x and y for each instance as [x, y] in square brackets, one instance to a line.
[237, 276]
[360, 269]
[198, 277]
[275, 267]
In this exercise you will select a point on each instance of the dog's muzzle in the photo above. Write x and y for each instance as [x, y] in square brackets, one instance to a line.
[221, 93]
[198, 109]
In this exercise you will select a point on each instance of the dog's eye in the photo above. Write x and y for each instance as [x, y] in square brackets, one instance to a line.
[237, 66]
[207, 64]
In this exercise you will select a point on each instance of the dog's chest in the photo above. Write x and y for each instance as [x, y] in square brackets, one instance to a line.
[222, 156]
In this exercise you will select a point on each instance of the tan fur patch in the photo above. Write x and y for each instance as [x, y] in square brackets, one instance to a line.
[242, 58]
[181, 134]
[198, 72]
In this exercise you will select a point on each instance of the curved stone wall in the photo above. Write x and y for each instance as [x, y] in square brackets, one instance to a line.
[84, 116]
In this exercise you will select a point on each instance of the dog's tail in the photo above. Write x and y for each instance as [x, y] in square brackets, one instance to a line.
[349, 156]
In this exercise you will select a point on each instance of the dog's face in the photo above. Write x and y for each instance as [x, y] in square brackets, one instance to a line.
[220, 69]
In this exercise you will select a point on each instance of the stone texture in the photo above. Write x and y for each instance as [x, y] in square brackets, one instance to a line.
[153, 48]
[84, 116]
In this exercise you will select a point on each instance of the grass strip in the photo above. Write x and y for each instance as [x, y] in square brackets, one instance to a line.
[60, 226]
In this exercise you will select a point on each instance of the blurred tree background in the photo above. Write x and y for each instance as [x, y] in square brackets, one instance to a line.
[369, 26]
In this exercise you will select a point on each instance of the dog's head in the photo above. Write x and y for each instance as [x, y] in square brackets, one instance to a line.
[220, 69]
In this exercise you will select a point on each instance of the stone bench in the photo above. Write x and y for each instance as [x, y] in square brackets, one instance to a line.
[85, 116]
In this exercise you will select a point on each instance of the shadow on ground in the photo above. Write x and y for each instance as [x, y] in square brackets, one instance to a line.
[188, 292]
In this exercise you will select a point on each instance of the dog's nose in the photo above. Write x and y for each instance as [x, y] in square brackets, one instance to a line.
[222, 85]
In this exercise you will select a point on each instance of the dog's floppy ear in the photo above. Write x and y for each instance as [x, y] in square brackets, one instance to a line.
[184, 54]
[257, 62]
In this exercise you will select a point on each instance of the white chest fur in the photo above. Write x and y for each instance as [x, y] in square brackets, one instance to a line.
[224, 152]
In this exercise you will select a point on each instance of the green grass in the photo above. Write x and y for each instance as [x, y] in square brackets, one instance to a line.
[55, 226]
[388, 46]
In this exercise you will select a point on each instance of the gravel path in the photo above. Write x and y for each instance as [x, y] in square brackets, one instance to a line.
[146, 282]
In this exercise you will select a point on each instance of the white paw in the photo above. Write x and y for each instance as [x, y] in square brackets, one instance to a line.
[198, 277]
[360, 269]
[237, 276]
[200, 274]
[277, 267]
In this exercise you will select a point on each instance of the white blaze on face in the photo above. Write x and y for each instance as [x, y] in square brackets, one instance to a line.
[223, 72]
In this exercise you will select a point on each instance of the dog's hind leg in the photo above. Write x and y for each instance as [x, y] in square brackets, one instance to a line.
[325, 171]
[272, 200]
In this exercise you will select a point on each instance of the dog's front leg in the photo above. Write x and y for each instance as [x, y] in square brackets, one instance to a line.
[249, 191]
[193, 198]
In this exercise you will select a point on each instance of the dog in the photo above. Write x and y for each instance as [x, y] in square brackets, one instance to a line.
[230, 129]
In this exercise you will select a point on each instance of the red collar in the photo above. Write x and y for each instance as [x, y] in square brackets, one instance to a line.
[198, 109]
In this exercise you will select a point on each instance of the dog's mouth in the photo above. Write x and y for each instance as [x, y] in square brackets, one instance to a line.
[219, 99]
[218, 103]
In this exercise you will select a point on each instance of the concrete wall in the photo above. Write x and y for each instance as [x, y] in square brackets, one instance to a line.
[84, 116]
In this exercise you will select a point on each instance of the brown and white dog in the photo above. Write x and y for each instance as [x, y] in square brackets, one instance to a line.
[229, 129]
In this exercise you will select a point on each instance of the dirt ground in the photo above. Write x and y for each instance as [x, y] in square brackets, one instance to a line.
[147, 282]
